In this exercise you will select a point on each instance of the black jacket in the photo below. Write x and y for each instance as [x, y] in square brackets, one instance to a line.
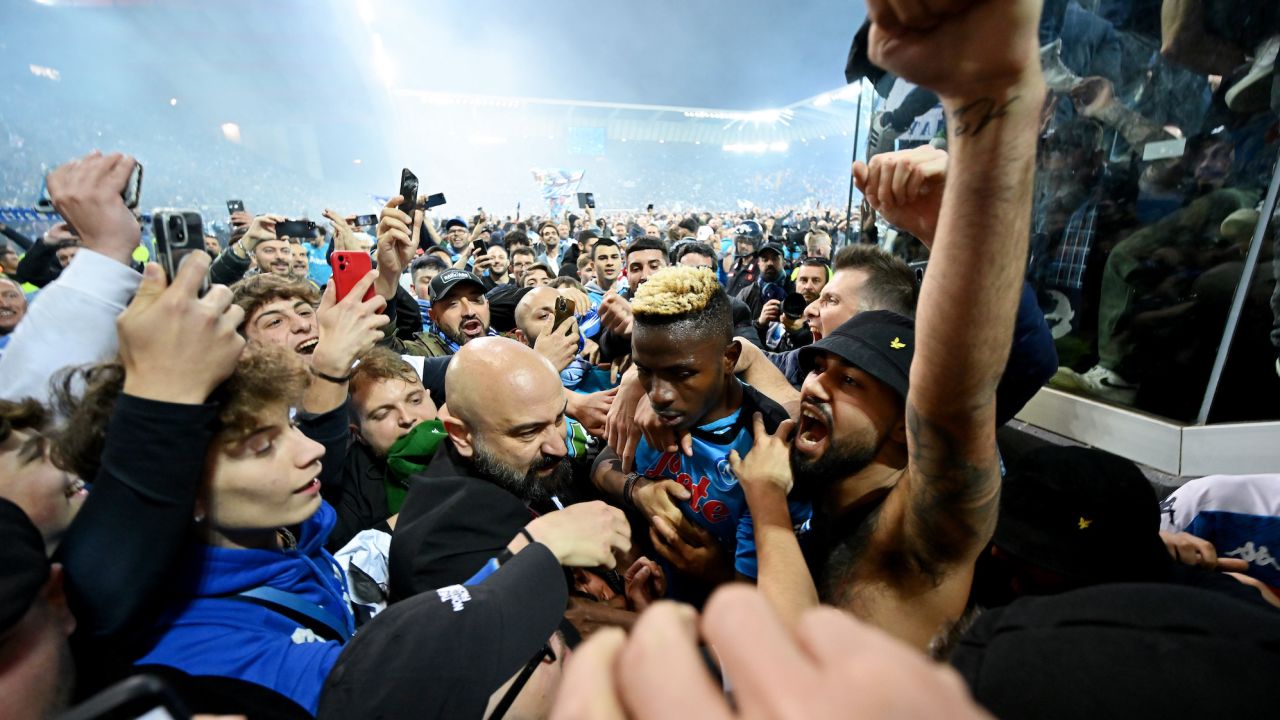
[451, 523]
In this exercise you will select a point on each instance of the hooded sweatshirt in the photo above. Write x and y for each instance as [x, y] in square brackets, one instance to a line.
[205, 630]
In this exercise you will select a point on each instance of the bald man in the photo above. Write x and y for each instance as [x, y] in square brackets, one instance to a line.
[503, 462]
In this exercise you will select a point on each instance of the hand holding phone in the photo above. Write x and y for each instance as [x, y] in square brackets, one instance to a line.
[235, 206]
[408, 192]
[89, 193]
[564, 310]
[349, 268]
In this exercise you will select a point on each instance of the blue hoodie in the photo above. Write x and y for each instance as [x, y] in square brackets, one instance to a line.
[204, 632]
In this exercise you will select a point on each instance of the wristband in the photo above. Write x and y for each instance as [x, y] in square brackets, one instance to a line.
[331, 378]
[629, 486]
[527, 535]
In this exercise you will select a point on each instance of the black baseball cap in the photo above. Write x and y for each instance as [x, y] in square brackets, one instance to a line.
[1083, 513]
[880, 343]
[772, 246]
[443, 653]
[1122, 650]
[455, 222]
[445, 281]
[24, 568]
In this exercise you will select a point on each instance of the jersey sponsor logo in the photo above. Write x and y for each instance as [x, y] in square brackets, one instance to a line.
[1254, 555]
[456, 595]
[668, 466]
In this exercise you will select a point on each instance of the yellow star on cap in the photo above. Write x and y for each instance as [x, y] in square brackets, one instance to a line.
[1084, 523]
[897, 344]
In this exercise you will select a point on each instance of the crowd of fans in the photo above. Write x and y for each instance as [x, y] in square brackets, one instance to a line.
[604, 467]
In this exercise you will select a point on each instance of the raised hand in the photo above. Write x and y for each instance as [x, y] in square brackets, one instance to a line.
[586, 534]
[770, 312]
[395, 246]
[348, 328]
[768, 464]
[87, 193]
[262, 229]
[344, 238]
[906, 188]
[175, 345]
[615, 314]
[559, 344]
[946, 46]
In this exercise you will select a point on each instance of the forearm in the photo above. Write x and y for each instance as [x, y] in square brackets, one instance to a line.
[132, 528]
[1132, 126]
[607, 475]
[783, 578]
[979, 254]
[228, 267]
[18, 238]
[36, 266]
[757, 371]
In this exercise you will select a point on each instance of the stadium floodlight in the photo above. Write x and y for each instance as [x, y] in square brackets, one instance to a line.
[780, 146]
[231, 131]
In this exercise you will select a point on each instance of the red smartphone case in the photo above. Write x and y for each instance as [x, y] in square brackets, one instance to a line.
[348, 268]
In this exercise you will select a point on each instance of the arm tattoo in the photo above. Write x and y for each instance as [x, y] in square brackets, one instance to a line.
[973, 118]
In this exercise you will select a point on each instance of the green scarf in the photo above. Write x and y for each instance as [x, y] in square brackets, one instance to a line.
[408, 456]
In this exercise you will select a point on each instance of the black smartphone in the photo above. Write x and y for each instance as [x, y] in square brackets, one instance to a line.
[235, 206]
[140, 696]
[433, 201]
[586, 200]
[295, 229]
[177, 233]
[365, 220]
[408, 191]
[478, 248]
[133, 189]
[650, 207]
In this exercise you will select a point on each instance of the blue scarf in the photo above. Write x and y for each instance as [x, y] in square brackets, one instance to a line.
[453, 347]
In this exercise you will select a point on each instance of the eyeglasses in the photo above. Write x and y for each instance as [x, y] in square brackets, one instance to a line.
[546, 654]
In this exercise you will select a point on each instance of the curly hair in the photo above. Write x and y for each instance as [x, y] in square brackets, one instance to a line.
[266, 376]
[686, 300]
[252, 293]
[25, 414]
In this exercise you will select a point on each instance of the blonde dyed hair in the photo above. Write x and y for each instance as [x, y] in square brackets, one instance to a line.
[675, 291]
[685, 301]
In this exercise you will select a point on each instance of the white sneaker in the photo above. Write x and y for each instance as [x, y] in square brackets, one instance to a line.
[1098, 381]
[1253, 91]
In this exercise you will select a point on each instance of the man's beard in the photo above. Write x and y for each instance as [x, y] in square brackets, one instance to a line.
[527, 486]
[842, 458]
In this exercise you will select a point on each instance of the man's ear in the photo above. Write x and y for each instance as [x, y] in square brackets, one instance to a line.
[899, 432]
[355, 433]
[521, 337]
[732, 352]
[460, 434]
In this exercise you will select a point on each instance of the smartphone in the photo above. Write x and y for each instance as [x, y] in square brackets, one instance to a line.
[586, 200]
[133, 189]
[295, 229]
[564, 310]
[433, 201]
[235, 206]
[408, 191]
[365, 220]
[478, 248]
[349, 268]
[650, 207]
[140, 696]
[177, 233]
